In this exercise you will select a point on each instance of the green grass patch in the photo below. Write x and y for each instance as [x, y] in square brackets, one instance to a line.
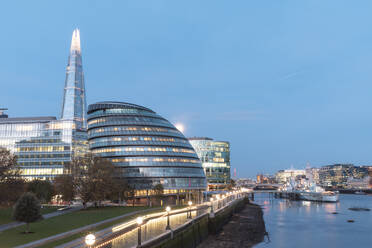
[101, 227]
[6, 213]
[62, 223]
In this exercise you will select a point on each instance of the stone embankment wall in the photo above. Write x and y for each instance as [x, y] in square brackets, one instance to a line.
[204, 228]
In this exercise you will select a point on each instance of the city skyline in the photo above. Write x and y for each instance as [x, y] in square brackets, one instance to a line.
[300, 96]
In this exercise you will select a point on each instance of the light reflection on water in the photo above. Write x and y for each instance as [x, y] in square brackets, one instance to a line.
[311, 224]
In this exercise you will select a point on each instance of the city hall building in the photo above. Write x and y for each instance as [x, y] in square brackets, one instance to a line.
[43, 145]
[146, 148]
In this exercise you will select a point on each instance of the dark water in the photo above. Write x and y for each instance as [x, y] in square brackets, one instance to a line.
[309, 224]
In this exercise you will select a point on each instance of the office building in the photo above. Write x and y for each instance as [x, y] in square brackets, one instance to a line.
[215, 158]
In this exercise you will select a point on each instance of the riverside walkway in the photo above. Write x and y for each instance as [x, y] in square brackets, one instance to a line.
[155, 226]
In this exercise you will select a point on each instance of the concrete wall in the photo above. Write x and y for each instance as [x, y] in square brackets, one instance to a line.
[192, 234]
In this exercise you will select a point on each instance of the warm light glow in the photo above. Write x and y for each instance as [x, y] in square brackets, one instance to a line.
[90, 239]
[75, 42]
[217, 197]
[180, 127]
[139, 220]
[190, 203]
[168, 209]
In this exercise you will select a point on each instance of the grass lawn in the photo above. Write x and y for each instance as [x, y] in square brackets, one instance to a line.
[100, 227]
[6, 213]
[62, 223]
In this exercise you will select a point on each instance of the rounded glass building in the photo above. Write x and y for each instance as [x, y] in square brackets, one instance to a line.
[147, 149]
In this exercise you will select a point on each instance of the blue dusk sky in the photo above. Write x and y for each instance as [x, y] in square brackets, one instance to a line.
[286, 82]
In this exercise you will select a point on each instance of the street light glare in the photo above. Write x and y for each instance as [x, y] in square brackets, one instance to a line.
[90, 239]
[168, 209]
[139, 220]
[190, 203]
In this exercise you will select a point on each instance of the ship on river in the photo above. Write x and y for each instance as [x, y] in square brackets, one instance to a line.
[308, 191]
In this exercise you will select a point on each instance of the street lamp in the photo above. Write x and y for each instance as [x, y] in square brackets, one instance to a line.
[218, 201]
[168, 209]
[90, 239]
[189, 212]
[139, 223]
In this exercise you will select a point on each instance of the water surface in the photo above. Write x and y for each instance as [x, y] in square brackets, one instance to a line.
[309, 224]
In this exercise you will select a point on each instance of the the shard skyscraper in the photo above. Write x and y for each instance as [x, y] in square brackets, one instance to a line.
[74, 100]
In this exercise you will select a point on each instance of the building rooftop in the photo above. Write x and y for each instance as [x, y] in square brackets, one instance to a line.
[199, 138]
[113, 104]
[27, 119]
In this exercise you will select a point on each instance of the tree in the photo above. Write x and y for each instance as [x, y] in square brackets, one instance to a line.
[10, 190]
[232, 184]
[11, 184]
[42, 189]
[8, 163]
[158, 191]
[120, 190]
[64, 185]
[27, 209]
[93, 178]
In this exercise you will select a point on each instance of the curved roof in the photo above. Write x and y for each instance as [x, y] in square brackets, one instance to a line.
[113, 104]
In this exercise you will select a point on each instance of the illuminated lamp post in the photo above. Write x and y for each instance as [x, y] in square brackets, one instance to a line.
[139, 223]
[168, 209]
[189, 212]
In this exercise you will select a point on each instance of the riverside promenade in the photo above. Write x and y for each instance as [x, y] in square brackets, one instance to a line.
[187, 226]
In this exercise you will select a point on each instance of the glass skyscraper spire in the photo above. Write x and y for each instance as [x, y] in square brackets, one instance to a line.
[74, 100]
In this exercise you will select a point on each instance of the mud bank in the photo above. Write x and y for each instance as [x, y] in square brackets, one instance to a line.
[245, 229]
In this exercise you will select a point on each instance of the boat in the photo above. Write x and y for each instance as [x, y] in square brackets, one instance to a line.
[326, 196]
[360, 192]
[308, 191]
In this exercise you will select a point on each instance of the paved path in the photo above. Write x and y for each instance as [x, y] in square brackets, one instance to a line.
[46, 240]
[45, 216]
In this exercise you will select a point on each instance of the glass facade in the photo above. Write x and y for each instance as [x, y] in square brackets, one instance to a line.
[146, 148]
[74, 100]
[215, 158]
[43, 145]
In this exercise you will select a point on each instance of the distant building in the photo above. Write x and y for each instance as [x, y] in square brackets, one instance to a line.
[283, 176]
[265, 179]
[215, 158]
[43, 145]
[337, 175]
[360, 183]
[146, 149]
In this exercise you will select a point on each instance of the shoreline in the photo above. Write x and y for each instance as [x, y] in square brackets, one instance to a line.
[244, 229]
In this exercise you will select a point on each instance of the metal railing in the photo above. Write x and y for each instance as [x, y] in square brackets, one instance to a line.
[134, 233]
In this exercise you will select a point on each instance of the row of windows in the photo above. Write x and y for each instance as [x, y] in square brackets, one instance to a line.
[124, 119]
[40, 163]
[162, 172]
[43, 149]
[117, 111]
[62, 155]
[143, 149]
[172, 160]
[145, 129]
[137, 138]
[41, 171]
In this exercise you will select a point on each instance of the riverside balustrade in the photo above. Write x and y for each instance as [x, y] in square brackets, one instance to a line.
[154, 225]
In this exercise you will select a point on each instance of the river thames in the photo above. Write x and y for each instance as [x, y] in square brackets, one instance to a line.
[311, 224]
